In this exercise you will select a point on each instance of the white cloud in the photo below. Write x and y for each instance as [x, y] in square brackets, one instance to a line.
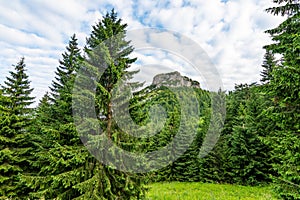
[231, 33]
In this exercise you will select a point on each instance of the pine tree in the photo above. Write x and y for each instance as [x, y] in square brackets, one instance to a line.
[16, 146]
[240, 156]
[67, 169]
[107, 54]
[183, 124]
[62, 158]
[246, 154]
[187, 166]
[284, 90]
[213, 161]
[268, 65]
[65, 73]
[285, 75]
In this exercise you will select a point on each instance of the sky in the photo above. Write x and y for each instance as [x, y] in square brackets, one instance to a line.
[230, 32]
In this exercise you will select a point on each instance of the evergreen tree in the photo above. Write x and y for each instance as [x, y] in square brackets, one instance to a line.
[187, 166]
[213, 161]
[67, 169]
[247, 155]
[65, 73]
[15, 143]
[244, 150]
[284, 90]
[43, 113]
[175, 121]
[240, 156]
[268, 65]
[62, 158]
[107, 53]
[178, 122]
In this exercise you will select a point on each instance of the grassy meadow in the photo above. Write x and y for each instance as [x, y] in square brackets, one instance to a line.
[207, 191]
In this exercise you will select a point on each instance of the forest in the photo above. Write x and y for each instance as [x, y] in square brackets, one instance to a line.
[45, 150]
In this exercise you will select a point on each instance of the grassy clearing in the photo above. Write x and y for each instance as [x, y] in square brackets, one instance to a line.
[205, 191]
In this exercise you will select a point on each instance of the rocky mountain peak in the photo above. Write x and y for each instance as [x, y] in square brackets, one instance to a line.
[174, 79]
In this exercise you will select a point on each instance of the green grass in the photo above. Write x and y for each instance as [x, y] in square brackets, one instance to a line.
[206, 191]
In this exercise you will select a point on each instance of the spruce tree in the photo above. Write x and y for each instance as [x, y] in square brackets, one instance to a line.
[284, 88]
[67, 168]
[246, 154]
[66, 72]
[186, 167]
[16, 146]
[177, 123]
[268, 65]
[62, 157]
[213, 159]
[240, 156]
[107, 52]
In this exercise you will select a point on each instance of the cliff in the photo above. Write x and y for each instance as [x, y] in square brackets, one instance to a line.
[174, 79]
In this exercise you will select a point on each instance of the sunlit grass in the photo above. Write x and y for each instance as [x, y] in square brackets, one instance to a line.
[205, 191]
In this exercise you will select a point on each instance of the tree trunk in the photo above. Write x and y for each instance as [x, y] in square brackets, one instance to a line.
[109, 118]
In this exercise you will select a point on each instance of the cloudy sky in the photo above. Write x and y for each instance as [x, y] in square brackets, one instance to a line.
[231, 32]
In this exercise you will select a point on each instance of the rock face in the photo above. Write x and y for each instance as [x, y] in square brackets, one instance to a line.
[174, 79]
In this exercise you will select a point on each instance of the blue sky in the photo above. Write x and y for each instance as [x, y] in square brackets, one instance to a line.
[231, 32]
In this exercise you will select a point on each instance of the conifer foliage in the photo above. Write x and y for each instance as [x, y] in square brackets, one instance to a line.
[15, 140]
[61, 157]
[268, 65]
[67, 170]
[45, 153]
[240, 156]
[107, 52]
[284, 88]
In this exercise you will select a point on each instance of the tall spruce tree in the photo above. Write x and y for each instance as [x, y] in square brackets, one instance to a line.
[240, 156]
[213, 165]
[246, 154]
[15, 142]
[67, 169]
[186, 167]
[66, 72]
[62, 157]
[284, 88]
[176, 123]
[107, 52]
